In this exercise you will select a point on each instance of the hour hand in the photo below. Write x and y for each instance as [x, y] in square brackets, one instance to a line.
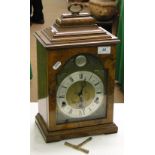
[80, 93]
[81, 104]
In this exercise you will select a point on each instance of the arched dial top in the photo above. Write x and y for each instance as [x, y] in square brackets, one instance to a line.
[80, 94]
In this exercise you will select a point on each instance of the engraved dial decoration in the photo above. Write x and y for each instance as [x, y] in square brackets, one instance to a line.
[80, 94]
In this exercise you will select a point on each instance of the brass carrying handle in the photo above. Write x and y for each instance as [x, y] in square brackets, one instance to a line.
[75, 12]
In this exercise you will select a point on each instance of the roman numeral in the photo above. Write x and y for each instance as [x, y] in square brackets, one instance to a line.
[71, 79]
[96, 100]
[70, 111]
[83, 111]
[62, 96]
[80, 113]
[96, 83]
[63, 86]
[81, 76]
[90, 77]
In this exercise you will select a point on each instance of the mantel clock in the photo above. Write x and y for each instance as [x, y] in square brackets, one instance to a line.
[76, 73]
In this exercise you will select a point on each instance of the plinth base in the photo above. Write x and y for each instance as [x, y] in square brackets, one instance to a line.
[51, 136]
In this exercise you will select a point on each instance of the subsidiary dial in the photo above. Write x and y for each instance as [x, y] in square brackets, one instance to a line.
[80, 60]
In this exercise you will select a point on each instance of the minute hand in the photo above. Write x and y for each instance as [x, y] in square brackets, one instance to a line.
[80, 94]
[82, 85]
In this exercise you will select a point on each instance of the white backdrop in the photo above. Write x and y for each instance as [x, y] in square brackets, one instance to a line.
[139, 125]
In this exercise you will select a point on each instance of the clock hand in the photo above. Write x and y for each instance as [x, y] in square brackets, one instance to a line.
[83, 84]
[81, 104]
[80, 94]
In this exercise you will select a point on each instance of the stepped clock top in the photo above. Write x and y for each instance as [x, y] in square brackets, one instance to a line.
[74, 29]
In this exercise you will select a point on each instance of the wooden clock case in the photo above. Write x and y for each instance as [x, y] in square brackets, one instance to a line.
[70, 36]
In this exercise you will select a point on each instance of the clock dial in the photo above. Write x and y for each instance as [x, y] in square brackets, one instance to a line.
[80, 94]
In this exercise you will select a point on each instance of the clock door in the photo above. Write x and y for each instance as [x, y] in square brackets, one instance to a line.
[81, 90]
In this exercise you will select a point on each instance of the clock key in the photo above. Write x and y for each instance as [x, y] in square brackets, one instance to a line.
[78, 147]
[84, 142]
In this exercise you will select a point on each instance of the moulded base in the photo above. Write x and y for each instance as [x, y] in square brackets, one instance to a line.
[51, 136]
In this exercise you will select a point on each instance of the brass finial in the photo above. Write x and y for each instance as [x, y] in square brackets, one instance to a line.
[75, 8]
